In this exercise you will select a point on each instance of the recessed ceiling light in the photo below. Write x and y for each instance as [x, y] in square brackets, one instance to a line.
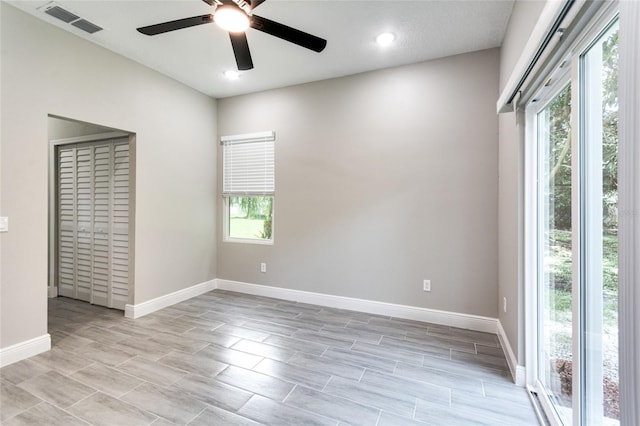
[231, 18]
[385, 39]
[232, 75]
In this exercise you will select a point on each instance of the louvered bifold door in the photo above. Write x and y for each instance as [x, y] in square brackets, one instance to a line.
[102, 175]
[67, 257]
[93, 222]
[84, 207]
[119, 267]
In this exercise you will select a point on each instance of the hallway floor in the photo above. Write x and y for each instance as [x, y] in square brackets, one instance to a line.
[231, 359]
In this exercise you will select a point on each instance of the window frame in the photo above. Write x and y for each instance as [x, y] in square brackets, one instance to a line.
[258, 137]
[533, 213]
[226, 218]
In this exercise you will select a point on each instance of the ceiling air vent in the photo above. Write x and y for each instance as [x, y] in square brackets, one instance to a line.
[87, 26]
[52, 9]
[58, 12]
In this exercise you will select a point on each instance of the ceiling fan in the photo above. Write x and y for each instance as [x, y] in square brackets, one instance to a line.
[236, 16]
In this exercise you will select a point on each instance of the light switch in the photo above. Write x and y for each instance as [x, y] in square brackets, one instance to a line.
[4, 224]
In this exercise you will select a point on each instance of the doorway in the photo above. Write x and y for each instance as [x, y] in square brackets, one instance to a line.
[91, 205]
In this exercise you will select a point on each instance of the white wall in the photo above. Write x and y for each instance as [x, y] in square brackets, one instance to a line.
[383, 179]
[48, 71]
[524, 17]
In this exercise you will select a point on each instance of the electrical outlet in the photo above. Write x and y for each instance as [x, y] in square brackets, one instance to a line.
[426, 285]
[504, 304]
[263, 267]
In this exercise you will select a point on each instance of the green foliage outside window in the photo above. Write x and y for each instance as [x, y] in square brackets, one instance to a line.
[251, 217]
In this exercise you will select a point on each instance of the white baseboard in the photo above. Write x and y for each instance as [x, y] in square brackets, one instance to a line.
[453, 319]
[24, 350]
[53, 292]
[517, 371]
[145, 308]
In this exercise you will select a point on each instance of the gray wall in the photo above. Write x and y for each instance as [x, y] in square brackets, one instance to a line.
[383, 179]
[524, 17]
[63, 129]
[48, 71]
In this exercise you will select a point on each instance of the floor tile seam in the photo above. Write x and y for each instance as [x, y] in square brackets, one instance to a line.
[40, 402]
[436, 345]
[255, 354]
[327, 384]
[439, 336]
[484, 393]
[21, 411]
[416, 382]
[379, 416]
[365, 404]
[438, 370]
[289, 394]
[491, 367]
[385, 357]
[290, 381]
[362, 353]
[132, 376]
[140, 358]
[134, 389]
[269, 323]
[437, 384]
[304, 410]
[96, 391]
[360, 365]
[71, 414]
[194, 417]
[296, 350]
[348, 399]
[500, 357]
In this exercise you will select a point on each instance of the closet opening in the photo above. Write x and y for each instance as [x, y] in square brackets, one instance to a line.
[91, 212]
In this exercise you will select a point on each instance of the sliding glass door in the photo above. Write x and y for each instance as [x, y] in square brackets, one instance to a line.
[555, 326]
[599, 228]
[575, 219]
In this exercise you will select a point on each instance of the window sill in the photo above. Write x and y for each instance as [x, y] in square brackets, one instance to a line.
[247, 241]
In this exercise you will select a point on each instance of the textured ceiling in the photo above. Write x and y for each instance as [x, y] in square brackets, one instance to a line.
[198, 56]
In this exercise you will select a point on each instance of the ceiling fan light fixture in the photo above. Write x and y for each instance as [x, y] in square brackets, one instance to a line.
[385, 39]
[231, 18]
[232, 75]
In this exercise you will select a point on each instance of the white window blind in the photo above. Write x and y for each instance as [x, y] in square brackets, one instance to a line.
[248, 163]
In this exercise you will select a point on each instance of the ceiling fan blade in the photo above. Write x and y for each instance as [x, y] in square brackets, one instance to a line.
[256, 3]
[241, 51]
[178, 24]
[284, 32]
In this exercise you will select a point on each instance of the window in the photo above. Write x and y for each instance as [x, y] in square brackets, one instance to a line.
[574, 145]
[248, 163]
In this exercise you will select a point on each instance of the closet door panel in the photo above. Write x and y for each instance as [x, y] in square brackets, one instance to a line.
[102, 175]
[120, 227]
[84, 206]
[67, 258]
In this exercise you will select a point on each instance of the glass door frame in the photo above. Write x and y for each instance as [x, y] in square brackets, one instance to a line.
[532, 213]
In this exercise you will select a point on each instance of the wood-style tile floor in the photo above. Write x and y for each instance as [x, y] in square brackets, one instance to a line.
[230, 359]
